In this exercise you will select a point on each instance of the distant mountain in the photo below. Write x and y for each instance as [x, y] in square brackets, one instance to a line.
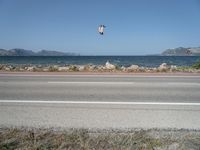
[23, 52]
[20, 52]
[3, 52]
[53, 53]
[181, 51]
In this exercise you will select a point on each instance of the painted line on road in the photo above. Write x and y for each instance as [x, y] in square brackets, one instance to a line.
[181, 83]
[56, 82]
[97, 102]
[167, 83]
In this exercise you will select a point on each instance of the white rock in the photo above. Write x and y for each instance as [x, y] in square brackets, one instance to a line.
[46, 69]
[30, 68]
[133, 67]
[154, 69]
[7, 68]
[123, 68]
[92, 67]
[55, 66]
[63, 68]
[173, 67]
[99, 68]
[142, 69]
[163, 67]
[21, 69]
[109, 66]
[89, 67]
[81, 68]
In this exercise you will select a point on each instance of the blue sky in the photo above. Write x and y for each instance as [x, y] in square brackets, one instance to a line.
[134, 27]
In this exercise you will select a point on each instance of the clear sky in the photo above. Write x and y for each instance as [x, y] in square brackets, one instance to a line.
[134, 27]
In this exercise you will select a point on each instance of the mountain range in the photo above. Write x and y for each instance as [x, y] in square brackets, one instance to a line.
[23, 52]
[182, 51]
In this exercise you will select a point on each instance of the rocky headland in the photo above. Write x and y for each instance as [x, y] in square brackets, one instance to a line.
[182, 51]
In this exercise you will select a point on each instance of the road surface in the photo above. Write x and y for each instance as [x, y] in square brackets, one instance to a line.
[100, 101]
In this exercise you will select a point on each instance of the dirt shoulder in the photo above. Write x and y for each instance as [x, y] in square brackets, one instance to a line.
[100, 73]
[160, 139]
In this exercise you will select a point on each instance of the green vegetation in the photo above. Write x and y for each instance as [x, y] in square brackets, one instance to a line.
[184, 68]
[83, 139]
[196, 65]
[73, 68]
[53, 69]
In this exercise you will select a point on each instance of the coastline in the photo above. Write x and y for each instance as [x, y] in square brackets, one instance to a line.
[108, 68]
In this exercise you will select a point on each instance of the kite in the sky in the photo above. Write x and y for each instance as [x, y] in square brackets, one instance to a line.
[101, 29]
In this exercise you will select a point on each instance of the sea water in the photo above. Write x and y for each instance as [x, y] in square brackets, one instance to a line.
[145, 61]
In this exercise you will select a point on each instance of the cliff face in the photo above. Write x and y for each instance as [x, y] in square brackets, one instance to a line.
[23, 52]
[181, 51]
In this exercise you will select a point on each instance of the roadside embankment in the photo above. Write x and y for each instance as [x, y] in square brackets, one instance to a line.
[108, 67]
[152, 139]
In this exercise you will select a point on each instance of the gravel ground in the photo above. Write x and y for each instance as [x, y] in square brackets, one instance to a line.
[110, 139]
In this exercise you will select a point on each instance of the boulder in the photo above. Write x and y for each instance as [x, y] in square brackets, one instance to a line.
[20, 69]
[123, 68]
[73, 68]
[142, 69]
[133, 68]
[99, 68]
[53, 68]
[173, 68]
[163, 67]
[1, 67]
[155, 69]
[39, 66]
[7, 69]
[81, 68]
[46, 69]
[89, 67]
[30, 68]
[63, 68]
[109, 66]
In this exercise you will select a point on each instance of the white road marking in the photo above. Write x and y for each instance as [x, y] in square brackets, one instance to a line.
[57, 82]
[167, 83]
[98, 102]
[181, 83]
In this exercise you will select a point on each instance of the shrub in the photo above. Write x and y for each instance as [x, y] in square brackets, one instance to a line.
[73, 68]
[196, 65]
[52, 69]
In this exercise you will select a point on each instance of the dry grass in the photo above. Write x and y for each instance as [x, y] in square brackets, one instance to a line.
[83, 139]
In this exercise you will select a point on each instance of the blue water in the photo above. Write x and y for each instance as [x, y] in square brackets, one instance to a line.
[146, 61]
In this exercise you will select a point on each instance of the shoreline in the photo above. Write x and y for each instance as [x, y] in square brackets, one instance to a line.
[99, 69]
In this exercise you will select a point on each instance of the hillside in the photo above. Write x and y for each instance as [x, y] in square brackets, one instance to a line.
[181, 51]
[23, 52]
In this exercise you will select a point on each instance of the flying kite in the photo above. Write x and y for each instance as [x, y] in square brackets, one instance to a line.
[101, 29]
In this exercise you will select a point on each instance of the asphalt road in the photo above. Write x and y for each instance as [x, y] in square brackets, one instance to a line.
[100, 101]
